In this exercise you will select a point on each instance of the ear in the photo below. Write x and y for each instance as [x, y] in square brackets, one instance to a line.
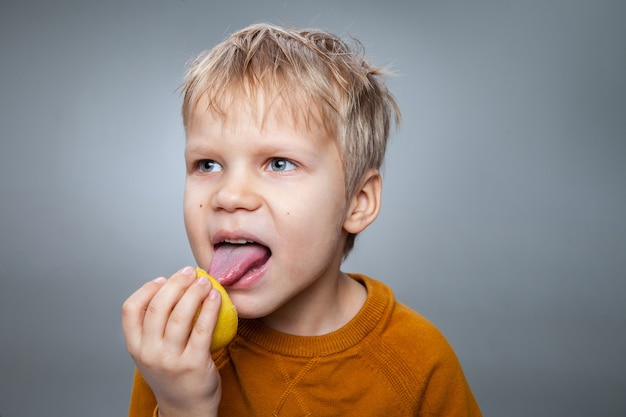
[365, 203]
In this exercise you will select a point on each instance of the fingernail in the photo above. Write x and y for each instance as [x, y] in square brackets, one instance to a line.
[159, 280]
[202, 281]
[188, 270]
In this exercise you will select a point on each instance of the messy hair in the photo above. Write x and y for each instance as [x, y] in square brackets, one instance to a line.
[306, 69]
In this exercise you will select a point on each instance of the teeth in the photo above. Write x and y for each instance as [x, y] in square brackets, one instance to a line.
[237, 241]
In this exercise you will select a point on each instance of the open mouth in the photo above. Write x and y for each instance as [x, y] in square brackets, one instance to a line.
[234, 258]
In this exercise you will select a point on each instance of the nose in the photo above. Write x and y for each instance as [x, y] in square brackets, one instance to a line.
[236, 191]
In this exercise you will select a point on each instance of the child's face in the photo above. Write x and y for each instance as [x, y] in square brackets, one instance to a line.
[281, 189]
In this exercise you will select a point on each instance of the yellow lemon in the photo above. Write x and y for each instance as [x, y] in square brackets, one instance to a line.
[226, 327]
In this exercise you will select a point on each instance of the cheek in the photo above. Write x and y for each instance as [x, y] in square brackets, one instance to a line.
[318, 217]
[192, 214]
[195, 227]
[193, 198]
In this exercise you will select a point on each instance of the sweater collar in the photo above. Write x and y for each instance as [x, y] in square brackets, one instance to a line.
[372, 317]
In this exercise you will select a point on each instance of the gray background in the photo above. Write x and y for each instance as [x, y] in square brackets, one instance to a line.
[505, 195]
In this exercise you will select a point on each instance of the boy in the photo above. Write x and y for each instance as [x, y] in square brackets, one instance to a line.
[285, 134]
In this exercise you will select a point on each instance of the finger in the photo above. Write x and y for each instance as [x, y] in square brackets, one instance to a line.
[134, 311]
[161, 306]
[181, 319]
[199, 344]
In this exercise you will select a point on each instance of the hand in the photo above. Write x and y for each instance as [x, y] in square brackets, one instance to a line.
[172, 354]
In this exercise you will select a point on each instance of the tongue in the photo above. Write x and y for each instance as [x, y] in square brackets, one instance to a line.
[231, 262]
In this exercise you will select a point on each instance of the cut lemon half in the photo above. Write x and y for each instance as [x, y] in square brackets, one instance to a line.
[226, 327]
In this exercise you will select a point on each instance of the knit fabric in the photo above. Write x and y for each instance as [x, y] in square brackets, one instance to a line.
[387, 361]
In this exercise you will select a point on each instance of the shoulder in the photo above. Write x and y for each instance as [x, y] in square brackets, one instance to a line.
[400, 326]
[409, 337]
[409, 331]
[418, 358]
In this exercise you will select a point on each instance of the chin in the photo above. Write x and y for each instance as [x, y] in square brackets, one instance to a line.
[252, 313]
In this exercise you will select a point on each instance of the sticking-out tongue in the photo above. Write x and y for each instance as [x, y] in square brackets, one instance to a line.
[231, 262]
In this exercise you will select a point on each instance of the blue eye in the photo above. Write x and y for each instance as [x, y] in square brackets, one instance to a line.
[208, 165]
[281, 165]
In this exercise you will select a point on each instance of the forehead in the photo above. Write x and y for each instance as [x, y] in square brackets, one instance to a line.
[259, 110]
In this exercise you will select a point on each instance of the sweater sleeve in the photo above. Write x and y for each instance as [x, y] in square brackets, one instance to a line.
[447, 392]
[418, 361]
[142, 400]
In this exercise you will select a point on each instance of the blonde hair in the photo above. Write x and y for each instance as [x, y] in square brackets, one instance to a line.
[302, 67]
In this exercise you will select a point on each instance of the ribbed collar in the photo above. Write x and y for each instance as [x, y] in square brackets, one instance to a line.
[373, 314]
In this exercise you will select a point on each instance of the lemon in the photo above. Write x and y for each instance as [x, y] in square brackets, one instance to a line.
[226, 327]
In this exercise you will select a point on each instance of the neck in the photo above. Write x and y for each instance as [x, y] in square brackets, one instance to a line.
[323, 308]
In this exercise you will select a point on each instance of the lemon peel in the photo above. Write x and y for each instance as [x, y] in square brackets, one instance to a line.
[226, 327]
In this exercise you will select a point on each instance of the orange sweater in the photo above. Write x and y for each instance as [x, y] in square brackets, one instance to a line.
[387, 361]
